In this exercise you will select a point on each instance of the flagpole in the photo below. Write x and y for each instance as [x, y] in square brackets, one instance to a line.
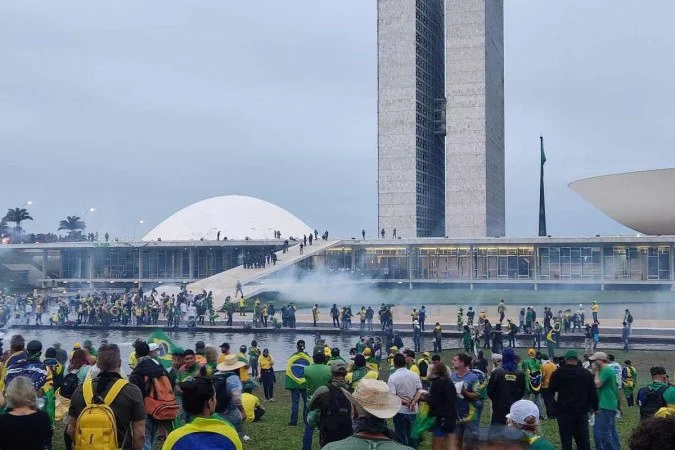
[542, 202]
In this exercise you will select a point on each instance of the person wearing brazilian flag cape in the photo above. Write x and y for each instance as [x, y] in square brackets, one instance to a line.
[532, 369]
[295, 380]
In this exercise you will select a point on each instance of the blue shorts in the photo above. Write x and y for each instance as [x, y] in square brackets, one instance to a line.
[437, 432]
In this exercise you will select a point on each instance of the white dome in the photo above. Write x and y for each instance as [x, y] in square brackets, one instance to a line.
[235, 216]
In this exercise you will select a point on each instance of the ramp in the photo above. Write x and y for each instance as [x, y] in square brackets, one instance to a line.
[225, 283]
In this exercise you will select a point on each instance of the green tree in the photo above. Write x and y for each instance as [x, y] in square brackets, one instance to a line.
[17, 215]
[75, 225]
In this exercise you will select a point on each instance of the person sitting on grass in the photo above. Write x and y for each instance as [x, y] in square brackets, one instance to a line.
[251, 404]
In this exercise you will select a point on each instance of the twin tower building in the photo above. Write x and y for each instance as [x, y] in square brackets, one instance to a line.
[441, 117]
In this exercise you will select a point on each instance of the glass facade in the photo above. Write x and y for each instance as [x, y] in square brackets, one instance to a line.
[115, 263]
[548, 263]
[593, 262]
[430, 145]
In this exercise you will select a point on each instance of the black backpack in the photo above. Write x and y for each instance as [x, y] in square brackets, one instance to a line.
[423, 366]
[223, 397]
[336, 423]
[68, 385]
[651, 401]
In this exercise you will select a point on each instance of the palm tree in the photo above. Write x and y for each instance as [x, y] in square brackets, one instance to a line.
[17, 215]
[3, 226]
[72, 224]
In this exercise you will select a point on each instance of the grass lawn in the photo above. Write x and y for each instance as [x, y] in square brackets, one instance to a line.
[273, 433]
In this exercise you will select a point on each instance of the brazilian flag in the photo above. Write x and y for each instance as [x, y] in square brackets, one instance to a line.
[423, 421]
[166, 347]
[295, 370]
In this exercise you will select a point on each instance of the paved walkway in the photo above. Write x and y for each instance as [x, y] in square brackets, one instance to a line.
[224, 283]
[447, 316]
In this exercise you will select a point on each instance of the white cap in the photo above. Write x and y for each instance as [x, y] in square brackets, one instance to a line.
[521, 411]
[153, 347]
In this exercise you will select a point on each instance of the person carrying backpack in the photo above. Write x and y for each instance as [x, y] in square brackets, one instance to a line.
[107, 412]
[657, 394]
[153, 381]
[331, 408]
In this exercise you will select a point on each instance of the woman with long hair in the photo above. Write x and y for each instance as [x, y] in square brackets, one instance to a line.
[79, 364]
[442, 405]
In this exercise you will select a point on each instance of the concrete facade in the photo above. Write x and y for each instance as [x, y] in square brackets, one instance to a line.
[441, 118]
[410, 147]
[474, 84]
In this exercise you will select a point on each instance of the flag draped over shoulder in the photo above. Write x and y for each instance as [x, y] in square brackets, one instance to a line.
[295, 370]
[166, 347]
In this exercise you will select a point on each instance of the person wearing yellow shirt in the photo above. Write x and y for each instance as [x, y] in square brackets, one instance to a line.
[315, 313]
[423, 365]
[360, 371]
[266, 377]
[243, 371]
[595, 309]
[390, 359]
[242, 306]
[410, 362]
[370, 359]
[224, 351]
[251, 404]
[414, 314]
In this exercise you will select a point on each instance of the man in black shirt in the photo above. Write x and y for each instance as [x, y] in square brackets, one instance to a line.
[576, 395]
[506, 386]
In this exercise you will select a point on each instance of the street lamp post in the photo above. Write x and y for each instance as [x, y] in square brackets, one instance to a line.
[139, 221]
[90, 210]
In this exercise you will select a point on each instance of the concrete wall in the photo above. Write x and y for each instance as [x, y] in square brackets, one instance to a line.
[396, 116]
[474, 84]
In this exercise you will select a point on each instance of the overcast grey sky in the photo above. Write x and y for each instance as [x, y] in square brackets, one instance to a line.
[140, 108]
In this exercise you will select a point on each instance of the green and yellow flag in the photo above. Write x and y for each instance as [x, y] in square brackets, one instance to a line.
[295, 370]
[166, 347]
[543, 155]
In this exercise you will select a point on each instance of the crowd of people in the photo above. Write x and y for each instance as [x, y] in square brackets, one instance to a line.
[206, 396]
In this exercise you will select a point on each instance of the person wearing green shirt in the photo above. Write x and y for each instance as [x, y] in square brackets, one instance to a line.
[317, 374]
[335, 356]
[532, 369]
[524, 416]
[466, 339]
[605, 432]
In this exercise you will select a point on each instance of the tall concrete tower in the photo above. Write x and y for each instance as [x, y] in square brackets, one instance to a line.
[411, 160]
[474, 89]
[441, 117]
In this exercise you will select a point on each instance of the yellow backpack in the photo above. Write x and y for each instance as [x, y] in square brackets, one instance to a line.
[96, 427]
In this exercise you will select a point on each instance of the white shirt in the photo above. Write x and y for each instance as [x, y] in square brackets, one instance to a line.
[183, 308]
[192, 311]
[616, 367]
[404, 384]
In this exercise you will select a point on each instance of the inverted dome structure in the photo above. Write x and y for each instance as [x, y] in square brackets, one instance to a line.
[643, 201]
[237, 217]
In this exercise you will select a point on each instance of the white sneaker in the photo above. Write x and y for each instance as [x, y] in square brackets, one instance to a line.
[246, 438]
